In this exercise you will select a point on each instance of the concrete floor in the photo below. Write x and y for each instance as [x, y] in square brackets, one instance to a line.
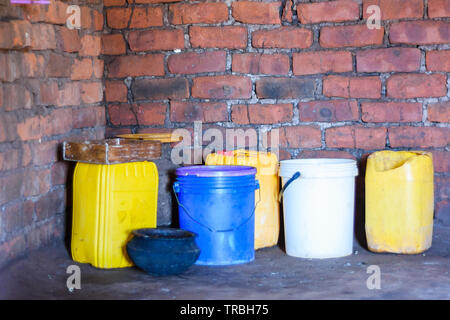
[272, 275]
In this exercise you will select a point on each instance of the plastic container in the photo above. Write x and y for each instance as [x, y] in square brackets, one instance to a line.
[109, 201]
[399, 201]
[318, 203]
[218, 203]
[267, 213]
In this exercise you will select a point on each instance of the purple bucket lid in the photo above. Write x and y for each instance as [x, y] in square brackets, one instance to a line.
[216, 171]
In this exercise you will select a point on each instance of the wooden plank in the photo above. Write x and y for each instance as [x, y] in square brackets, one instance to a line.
[111, 151]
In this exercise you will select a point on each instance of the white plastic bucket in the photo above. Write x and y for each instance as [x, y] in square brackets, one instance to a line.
[318, 207]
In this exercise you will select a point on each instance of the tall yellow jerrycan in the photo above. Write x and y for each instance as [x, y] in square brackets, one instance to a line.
[399, 201]
[267, 220]
[109, 201]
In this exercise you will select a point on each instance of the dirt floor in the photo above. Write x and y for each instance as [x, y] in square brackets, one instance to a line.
[272, 275]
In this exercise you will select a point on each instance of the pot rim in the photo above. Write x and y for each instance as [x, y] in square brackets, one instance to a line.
[164, 233]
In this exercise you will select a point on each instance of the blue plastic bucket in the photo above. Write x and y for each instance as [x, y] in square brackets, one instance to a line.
[218, 203]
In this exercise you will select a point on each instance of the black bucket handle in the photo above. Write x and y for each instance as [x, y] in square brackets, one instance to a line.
[211, 229]
[294, 177]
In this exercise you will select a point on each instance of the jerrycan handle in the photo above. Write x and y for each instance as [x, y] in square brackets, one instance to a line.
[292, 179]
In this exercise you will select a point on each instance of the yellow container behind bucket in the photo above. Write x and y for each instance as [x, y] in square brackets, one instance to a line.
[267, 221]
[109, 201]
[399, 201]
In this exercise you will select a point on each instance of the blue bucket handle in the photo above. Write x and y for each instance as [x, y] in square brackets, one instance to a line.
[294, 177]
[177, 186]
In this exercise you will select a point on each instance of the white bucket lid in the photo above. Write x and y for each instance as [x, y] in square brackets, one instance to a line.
[319, 168]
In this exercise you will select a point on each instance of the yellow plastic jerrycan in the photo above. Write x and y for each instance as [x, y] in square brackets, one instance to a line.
[399, 201]
[109, 201]
[267, 220]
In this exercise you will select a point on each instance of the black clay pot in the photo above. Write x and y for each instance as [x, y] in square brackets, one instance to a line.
[163, 251]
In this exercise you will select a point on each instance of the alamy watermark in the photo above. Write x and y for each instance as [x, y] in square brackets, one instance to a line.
[196, 145]
[374, 280]
[74, 280]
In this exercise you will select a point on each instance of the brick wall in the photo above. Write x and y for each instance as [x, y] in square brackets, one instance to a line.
[51, 90]
[314, 69]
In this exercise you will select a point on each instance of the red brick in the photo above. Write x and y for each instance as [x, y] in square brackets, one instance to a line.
[135, 66]
[356, 137]
[256, 12]
[44, 153]
[285, 88]
[352, 87]
[60, 173]
[391, 112]
[439, 112]
[156, 1]
[116, 91]
[233, 37]
[148, 40]
[350, 36]
[58, 66]
[67, 95]
[441, 161]
[395, 9]
[70, 40]
[198, 111]
[193, 62]
[118, 18]
[439, 8]
[47, 206]
[420, 32]
[113, 44]
[112, 3]
[333, 11]
[59, 121]
[17, 216]
[222, 87]
[29, 128]
[330, 154]
[98, 68]
[404, 86]
[256, 63]
[159, 89]
[322, 62]
[10, 159]
[422, 137]
[438, 60]
[262, 113]
[16, 96]
[97, 20]
[88, 117]
[328, 111]
[91, 92]
[186, 13]
[57, 13]
[388, 60]
[138, 114]
[32, 65]
[300, 137]
[146, 17]
[8, 126]
[151, 113]
[43, 37]
[81, 69]
[122, 115]
[16, 34]
[39, 184]
[86, 18]
[90, 45]
[283, 37]
[287, 12]
[10, 187]
[1, 96]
